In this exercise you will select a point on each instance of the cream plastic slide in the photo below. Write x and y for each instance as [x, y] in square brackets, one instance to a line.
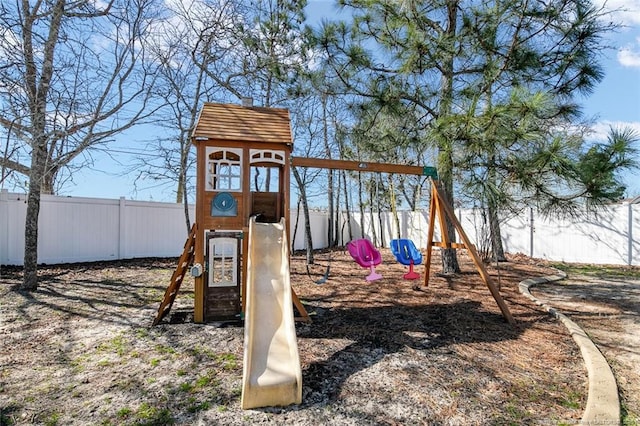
[271, 373]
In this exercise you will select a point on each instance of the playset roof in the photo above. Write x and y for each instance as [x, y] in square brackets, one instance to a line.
[231, 122]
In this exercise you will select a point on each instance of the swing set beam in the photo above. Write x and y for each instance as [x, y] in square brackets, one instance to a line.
[363, 166]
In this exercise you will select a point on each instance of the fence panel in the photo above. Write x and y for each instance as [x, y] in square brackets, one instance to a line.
[597, 238]
[517, 234]
[89, 229]
[77, 229]
[13, 210]
[153, 229]
[319, 229]
[633, 218]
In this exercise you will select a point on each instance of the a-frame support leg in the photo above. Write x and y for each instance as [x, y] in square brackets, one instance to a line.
[432, 220]
[440, 208]
[304, 315]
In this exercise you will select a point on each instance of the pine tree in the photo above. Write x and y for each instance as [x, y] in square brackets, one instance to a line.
[453, 61]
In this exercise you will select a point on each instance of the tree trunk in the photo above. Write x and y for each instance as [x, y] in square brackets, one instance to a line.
[496, 237]
[394, 209]
[445, 146]
[37, 89]
[180, 187]
[47, 181]
[182, 193]
[305, 210]
[449, 258]
[336, 215]
[185, 203]
[327, 151]
[38, 162]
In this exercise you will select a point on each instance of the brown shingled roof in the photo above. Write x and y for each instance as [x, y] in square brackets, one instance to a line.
[251, 124]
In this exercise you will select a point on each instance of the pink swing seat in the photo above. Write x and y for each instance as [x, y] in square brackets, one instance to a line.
[365, 255]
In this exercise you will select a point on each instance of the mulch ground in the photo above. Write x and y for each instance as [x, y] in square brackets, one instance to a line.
[81, 350]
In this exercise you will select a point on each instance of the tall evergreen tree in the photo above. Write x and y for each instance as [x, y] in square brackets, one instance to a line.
[452, 59]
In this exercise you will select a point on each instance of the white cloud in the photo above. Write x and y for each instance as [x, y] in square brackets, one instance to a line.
[600, 130]
[626, 12]
[10, 44]
[629, 56]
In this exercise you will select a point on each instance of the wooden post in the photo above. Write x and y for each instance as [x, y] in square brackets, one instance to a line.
[432, 223]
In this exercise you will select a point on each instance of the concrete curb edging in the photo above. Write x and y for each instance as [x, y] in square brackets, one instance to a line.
[603, 404]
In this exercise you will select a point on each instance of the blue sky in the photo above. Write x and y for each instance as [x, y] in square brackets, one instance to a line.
[615, 102]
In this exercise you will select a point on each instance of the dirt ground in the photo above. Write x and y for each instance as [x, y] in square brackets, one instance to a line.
[608, 309]
[81, 350]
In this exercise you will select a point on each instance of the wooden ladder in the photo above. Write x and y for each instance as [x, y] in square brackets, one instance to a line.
[178, 276]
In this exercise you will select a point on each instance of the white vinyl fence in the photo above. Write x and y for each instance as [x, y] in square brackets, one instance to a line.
[89, 229]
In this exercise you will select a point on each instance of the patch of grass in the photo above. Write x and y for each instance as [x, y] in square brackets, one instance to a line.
[117, 344]
[164, 349]
[193, 405]
[571, 400]
[125, 412]
[206, 381]
[186, 387]
[517, 415]
[142, 333]
[203, 351]
[52, 419]
[146, 415]
[6, 414]
[72, 390]
[601, 271]
[79, 363]
[155, 362]
[154, 294]
[103, 363]
[237, 391]
[627, 418]
[228, 361]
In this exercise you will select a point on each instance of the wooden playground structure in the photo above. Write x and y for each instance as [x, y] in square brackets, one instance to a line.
[243, 168]
[238, 248]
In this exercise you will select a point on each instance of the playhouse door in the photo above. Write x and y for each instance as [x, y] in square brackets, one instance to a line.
[223, 276]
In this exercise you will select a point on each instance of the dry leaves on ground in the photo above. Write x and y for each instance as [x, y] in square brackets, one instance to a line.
[80, 350]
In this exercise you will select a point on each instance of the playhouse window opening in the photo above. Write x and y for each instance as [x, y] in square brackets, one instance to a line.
[262, 156]
[265, 179]
[224, 171]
